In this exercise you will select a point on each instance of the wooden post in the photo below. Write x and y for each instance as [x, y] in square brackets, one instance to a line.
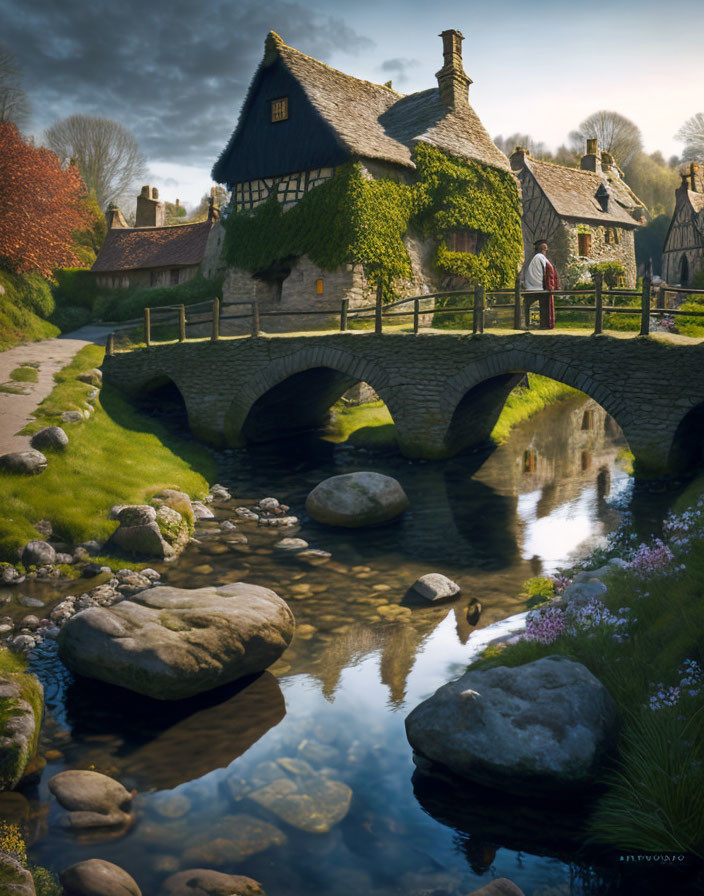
[645, 308]
[377, 310]
[216, 321]
[343, 315]
[181, 323]
[598, 299]
[517, 303]
[661, 298]
[478, 321]
[147, 327]
[416, 315]
[255, 318]
[110, 347]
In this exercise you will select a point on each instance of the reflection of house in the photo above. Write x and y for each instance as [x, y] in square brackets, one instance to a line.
[588, 215]
[150, 254]
[300, 121]
[683, 254]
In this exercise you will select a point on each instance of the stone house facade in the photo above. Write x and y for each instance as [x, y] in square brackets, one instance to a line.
[302, 119]
[588, 215]
[152, 253]
[683, 253]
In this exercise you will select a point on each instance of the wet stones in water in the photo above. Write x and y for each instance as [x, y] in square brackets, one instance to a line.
[170, 805]
[220, 493]
[202, 882]
[290, 545]
[171, 643]
[10, 576]
[201, 512]
[203, 570]
[304, 798]
[313, 556]
[231, 839]
[38, 553]
[32, 602]
[94, 801]
[237, 539]
[139, 532]
[434, 586]
[30, 462]
[52, 437]
[244, 513]
[96, 877]
[228, 526]
[357, 499]
[541, 728]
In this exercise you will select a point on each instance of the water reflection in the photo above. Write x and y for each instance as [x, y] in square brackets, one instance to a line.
[235, 775]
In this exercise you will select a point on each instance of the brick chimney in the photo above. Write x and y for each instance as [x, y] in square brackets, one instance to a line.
[696, 177]
[518, 158]
[150, 212]
[452, 80]
[114, 217]
[591, 160]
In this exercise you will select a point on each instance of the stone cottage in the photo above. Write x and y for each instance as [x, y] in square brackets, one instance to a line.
[588, 215]
[683, 253]
[151, 253]
[300, 121]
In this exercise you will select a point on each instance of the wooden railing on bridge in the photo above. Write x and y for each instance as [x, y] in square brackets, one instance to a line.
[653, 302]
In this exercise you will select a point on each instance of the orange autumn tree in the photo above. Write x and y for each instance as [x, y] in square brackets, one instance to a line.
[40, 207]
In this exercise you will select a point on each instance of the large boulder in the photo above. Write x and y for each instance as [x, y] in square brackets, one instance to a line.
[51, 437]
[172, 643]
[206, 882]
[38, 553]
[539, 728]
[14, 879]
[21, 703]
[357, 499]
[31, 462]
[96, 877]
[93, 800]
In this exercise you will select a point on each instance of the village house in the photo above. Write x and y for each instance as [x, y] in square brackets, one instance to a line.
[683, 253]
[588, 215]
[152, 253]
[301, 120]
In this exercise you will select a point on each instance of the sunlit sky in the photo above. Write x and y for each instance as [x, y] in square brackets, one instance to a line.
[175, 72]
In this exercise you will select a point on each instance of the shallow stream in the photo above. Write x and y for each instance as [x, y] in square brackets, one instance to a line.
[330, 714]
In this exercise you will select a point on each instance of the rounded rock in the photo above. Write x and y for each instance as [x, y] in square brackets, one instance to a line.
[51, 437]
[435, 586]
[96, 877]
[30, 462]
[357, 499]
[38, 553]
[206, 882]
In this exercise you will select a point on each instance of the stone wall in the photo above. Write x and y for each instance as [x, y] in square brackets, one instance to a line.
[572, 267]
[443, 390]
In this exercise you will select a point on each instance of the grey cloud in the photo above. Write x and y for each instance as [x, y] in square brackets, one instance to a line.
[172, 71]
[399, 67]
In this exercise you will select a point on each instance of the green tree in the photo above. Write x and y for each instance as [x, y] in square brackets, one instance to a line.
[653, 180]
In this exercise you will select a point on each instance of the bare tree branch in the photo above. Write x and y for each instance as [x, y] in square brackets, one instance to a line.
[14, 103]
[616, 134]
[107, 154]
[692, 135]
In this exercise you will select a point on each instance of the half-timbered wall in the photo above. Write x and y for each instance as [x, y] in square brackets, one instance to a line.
[288, 188]
[685, 239]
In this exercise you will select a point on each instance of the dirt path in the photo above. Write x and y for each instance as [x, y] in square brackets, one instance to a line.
[52, 355]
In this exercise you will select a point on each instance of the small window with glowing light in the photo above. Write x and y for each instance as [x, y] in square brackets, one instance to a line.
[279, 109]
[319, 287]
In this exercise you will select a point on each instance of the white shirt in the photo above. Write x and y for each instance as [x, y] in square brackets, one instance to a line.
[533, 278]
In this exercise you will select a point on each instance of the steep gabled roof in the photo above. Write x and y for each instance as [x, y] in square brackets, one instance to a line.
[696, 200]
[370, 120]
[152, 247]
[572, 193]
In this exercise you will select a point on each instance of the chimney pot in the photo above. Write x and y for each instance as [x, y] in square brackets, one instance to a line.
[518, 158]
[150, 212]
[452, 80]
[591, 160]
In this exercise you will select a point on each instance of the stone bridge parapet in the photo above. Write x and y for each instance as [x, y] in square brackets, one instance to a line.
[444, 391]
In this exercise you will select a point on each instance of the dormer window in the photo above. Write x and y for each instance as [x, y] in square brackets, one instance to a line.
[279, 109]
[466, 241]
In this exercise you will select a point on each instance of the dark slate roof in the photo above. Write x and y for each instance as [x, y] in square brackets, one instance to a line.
[152, 247]
[373, 121]
[572, 193]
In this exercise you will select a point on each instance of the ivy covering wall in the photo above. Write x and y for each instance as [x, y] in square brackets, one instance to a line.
[353, 219]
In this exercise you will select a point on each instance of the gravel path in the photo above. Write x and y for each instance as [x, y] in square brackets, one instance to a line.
[52, 355]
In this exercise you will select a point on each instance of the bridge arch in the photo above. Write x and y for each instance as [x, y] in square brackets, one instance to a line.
[475, 395]
[294, 392]
[686, 452]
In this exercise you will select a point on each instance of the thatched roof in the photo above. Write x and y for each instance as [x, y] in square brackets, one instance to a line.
[152, 247]
[370, 120]
[572, 193]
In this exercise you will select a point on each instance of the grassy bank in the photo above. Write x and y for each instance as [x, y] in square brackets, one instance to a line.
[118, 456]
[371, 426]
[25, 303]
[644, 639]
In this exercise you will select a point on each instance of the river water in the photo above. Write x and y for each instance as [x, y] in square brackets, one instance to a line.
[327, 720]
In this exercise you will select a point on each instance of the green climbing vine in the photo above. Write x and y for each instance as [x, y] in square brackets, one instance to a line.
[354, 219]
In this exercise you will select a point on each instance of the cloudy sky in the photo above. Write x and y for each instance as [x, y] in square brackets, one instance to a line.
[175, 71]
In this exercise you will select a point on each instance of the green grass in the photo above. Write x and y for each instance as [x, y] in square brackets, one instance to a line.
[119, 456]
[24, 374]
[69, 394]
[25, 304]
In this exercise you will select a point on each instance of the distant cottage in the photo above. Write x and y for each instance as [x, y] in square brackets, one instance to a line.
[683, 254]
[150, 253]
[588, 215]
[301, 123]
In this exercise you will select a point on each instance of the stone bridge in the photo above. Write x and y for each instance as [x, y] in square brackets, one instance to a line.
[444, 391]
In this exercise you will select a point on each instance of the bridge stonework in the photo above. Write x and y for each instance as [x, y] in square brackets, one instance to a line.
[444, 391]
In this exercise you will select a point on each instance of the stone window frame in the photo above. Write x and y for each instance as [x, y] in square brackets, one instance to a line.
[279, 109]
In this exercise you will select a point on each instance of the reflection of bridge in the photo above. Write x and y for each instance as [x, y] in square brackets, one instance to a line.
[444, 391]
